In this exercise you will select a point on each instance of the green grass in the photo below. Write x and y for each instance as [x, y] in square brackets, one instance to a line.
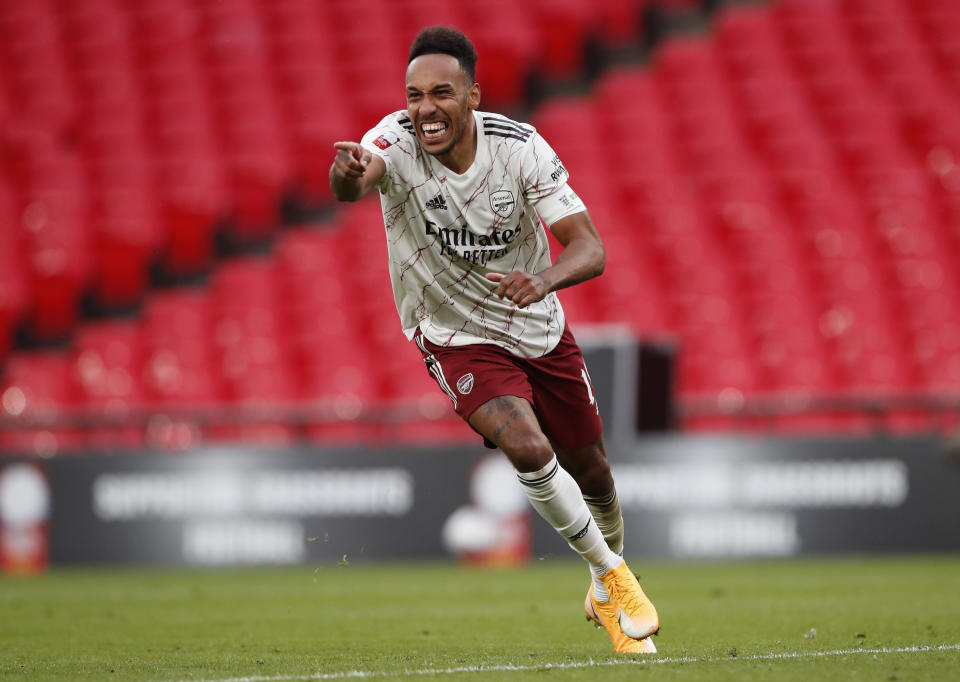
[392, 618]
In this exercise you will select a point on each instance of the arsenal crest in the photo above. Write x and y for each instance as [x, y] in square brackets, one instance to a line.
[502, 202]
[465, 383]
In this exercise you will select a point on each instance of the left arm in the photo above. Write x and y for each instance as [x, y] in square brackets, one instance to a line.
[582, 258]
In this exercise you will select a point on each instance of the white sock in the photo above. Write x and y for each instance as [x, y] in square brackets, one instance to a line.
[606, 512]
[557, 498]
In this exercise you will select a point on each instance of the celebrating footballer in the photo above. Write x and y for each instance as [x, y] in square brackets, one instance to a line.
[463, 193]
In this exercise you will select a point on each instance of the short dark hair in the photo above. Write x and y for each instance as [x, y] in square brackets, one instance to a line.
[446, 40]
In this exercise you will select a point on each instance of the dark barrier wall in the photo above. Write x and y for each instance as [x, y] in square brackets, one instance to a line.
[682, 497]
[241, 507]
[726, 497]
[632, 380]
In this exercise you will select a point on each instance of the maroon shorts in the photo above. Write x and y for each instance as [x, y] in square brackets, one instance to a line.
[557, 384]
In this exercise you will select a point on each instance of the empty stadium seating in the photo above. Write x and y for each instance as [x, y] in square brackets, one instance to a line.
[37, 391]
[780, 194]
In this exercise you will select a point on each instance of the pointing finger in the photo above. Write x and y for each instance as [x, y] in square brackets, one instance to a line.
[351, 148]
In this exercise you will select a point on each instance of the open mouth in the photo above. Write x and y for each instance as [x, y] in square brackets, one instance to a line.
[433, 130]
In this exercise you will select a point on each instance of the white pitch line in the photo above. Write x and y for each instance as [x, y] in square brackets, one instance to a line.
[357, 674]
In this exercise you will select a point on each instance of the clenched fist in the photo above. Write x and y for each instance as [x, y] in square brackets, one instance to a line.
[520, 287]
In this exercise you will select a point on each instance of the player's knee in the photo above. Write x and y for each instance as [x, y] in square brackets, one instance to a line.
[528, 451]
[596, 479]
[589, 467]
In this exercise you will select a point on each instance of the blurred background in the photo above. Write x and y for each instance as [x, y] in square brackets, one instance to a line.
[199, 352]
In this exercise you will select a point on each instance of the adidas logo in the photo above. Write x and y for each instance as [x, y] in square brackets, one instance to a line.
[438, 203]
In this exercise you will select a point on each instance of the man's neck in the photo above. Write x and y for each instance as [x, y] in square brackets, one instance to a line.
[461, 157]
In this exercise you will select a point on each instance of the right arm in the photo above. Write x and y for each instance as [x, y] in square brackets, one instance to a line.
[355, 171]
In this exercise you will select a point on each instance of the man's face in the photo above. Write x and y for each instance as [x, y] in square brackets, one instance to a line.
[439, 100]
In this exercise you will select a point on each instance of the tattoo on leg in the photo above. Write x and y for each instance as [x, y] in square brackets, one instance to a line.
[509, 413]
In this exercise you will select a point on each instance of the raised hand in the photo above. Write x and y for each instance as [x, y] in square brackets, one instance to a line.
[351, 160]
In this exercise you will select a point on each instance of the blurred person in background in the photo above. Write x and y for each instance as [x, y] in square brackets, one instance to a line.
[463, 192]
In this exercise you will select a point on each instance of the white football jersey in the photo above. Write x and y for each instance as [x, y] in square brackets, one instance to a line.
[446, 231]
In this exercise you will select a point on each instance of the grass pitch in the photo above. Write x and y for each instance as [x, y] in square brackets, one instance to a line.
[850, 619]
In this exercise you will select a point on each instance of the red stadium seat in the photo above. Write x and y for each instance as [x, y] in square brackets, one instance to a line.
[254, 353]
[568, 123]
[36, 389]
[36, 64]
[620, 22]
[509, 52]
[565, 26]
[14, 295]
[106, 366]
[54, 210]
[179, 368]
[128, 236]
[410, 17]
[313, 122]
[179, 358]
[428, 416]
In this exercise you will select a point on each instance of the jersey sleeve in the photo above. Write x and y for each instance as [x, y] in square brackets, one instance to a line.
[388, 140]
[545, 182]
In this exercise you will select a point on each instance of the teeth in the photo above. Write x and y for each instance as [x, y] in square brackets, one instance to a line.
[433, 128]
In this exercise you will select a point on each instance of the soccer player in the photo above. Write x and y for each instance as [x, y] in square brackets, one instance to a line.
[463, 192]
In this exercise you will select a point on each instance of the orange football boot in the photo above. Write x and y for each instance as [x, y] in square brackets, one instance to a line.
[628, 607]
[621, 643]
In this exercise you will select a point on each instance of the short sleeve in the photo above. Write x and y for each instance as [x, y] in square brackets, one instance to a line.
[560, 204]
[392, 141]
[378, 141]
[545, 183]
